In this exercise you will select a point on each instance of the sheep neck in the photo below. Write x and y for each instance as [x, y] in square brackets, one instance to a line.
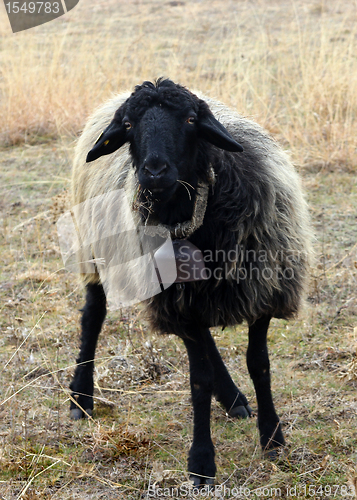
[183, 230]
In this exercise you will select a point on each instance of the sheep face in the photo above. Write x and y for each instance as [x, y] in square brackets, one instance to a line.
[164, 150]
[165, 125]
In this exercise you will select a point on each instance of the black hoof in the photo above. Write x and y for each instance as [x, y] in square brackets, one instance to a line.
[240, 412]
[274, 454]
[271, 445]
[199, 482]
[77, 413]
[271, 455]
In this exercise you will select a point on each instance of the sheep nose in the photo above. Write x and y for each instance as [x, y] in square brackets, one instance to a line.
[155, 169]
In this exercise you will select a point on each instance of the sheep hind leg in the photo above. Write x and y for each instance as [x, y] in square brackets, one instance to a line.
[271, 436]
[224, 389]
[201, 465]
[94, 313]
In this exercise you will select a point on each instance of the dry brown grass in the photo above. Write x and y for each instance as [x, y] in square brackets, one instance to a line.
[292, 67]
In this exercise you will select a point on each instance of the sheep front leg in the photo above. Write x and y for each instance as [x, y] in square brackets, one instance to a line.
[201, 465]
[225, 390]
[271, 435]
[94, 313]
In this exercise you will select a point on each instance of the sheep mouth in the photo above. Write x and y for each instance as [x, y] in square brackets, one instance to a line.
[161, 193]
[157, 190]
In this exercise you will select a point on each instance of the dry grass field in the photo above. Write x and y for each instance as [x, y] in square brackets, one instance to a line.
[291, 66]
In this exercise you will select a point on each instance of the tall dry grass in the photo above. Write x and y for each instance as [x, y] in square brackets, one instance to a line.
[290, 66]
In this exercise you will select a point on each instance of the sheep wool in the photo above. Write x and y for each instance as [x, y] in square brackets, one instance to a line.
[259, 237]
[232, 202]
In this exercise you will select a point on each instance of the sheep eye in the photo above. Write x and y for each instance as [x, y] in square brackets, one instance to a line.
[127, 125]
[191, 120]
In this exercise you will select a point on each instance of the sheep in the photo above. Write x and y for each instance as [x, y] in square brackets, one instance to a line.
[173, 150]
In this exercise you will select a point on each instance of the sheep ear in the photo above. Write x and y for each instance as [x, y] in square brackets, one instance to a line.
[214, 132]
[111, 139]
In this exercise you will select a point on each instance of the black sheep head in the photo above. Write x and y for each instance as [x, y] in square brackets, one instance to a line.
[166, 125]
